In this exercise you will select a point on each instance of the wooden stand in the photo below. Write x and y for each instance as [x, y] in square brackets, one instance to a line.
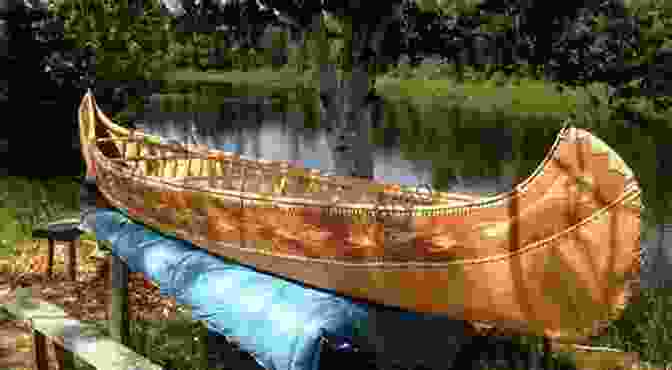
[62, 231]
[50, 321]
[39, 350]
[118, 306]
[65, 358]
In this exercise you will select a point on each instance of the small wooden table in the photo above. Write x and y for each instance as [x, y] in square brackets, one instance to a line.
[63, 231]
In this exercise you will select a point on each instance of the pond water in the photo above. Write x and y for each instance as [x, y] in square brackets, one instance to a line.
[408, 146]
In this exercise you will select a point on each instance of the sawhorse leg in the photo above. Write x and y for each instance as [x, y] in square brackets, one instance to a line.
[50, 258]
[71, 263]
[40, 358]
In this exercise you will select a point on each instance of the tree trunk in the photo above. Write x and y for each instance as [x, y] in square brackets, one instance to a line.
[349, 113]
[349, 119]
[343, 103]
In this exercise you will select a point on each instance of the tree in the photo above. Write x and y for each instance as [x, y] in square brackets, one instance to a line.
[428, 32]
[130, 41]
[41, 56]
[347, 100]
[198, 24]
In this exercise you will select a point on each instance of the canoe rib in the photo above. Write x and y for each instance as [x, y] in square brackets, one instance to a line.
[558, 255]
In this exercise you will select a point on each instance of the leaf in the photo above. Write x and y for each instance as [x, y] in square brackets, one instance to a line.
[10, 229]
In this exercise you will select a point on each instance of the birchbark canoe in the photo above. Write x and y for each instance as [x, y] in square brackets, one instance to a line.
[558, 255]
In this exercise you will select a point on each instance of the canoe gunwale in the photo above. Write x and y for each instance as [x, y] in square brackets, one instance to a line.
[466, 202]
[447, 198]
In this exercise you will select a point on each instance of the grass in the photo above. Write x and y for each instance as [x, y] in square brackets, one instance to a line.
[531, 96]
[426, 84]
[25, 204]
[284, 78]
[645, 327]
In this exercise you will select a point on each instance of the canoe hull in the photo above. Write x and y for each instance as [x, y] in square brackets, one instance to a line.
[556, 257]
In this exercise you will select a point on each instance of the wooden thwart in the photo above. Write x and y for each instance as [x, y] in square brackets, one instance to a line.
[71, 336]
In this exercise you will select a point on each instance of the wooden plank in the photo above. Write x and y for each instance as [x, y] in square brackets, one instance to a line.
[547, 354]
[65, 358]
[40, 359]
[84, 339]
[118, 309]
[50, 258]
[72, 259]
[599, 358]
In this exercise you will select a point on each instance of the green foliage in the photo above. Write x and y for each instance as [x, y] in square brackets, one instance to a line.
[26, 203]
[295, 56]
[515, 94]
[127, 47]
[403, 71]
[644, 327]
[10, 231]
[333, 24]
[655, 20]
[265, 79]
[495, 23]
[279, 42]
[176, 344]
[448, 7]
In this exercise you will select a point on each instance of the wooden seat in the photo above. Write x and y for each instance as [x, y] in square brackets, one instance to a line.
[64, 230]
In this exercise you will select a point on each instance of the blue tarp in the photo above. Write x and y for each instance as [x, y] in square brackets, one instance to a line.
[277, 321]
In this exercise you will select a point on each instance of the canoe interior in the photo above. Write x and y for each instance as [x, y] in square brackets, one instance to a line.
[202, 168]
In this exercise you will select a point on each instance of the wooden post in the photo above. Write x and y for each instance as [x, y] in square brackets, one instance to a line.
[40, 359]
[118, 308]
[65, 358]
[50, 258]
[72, 259]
